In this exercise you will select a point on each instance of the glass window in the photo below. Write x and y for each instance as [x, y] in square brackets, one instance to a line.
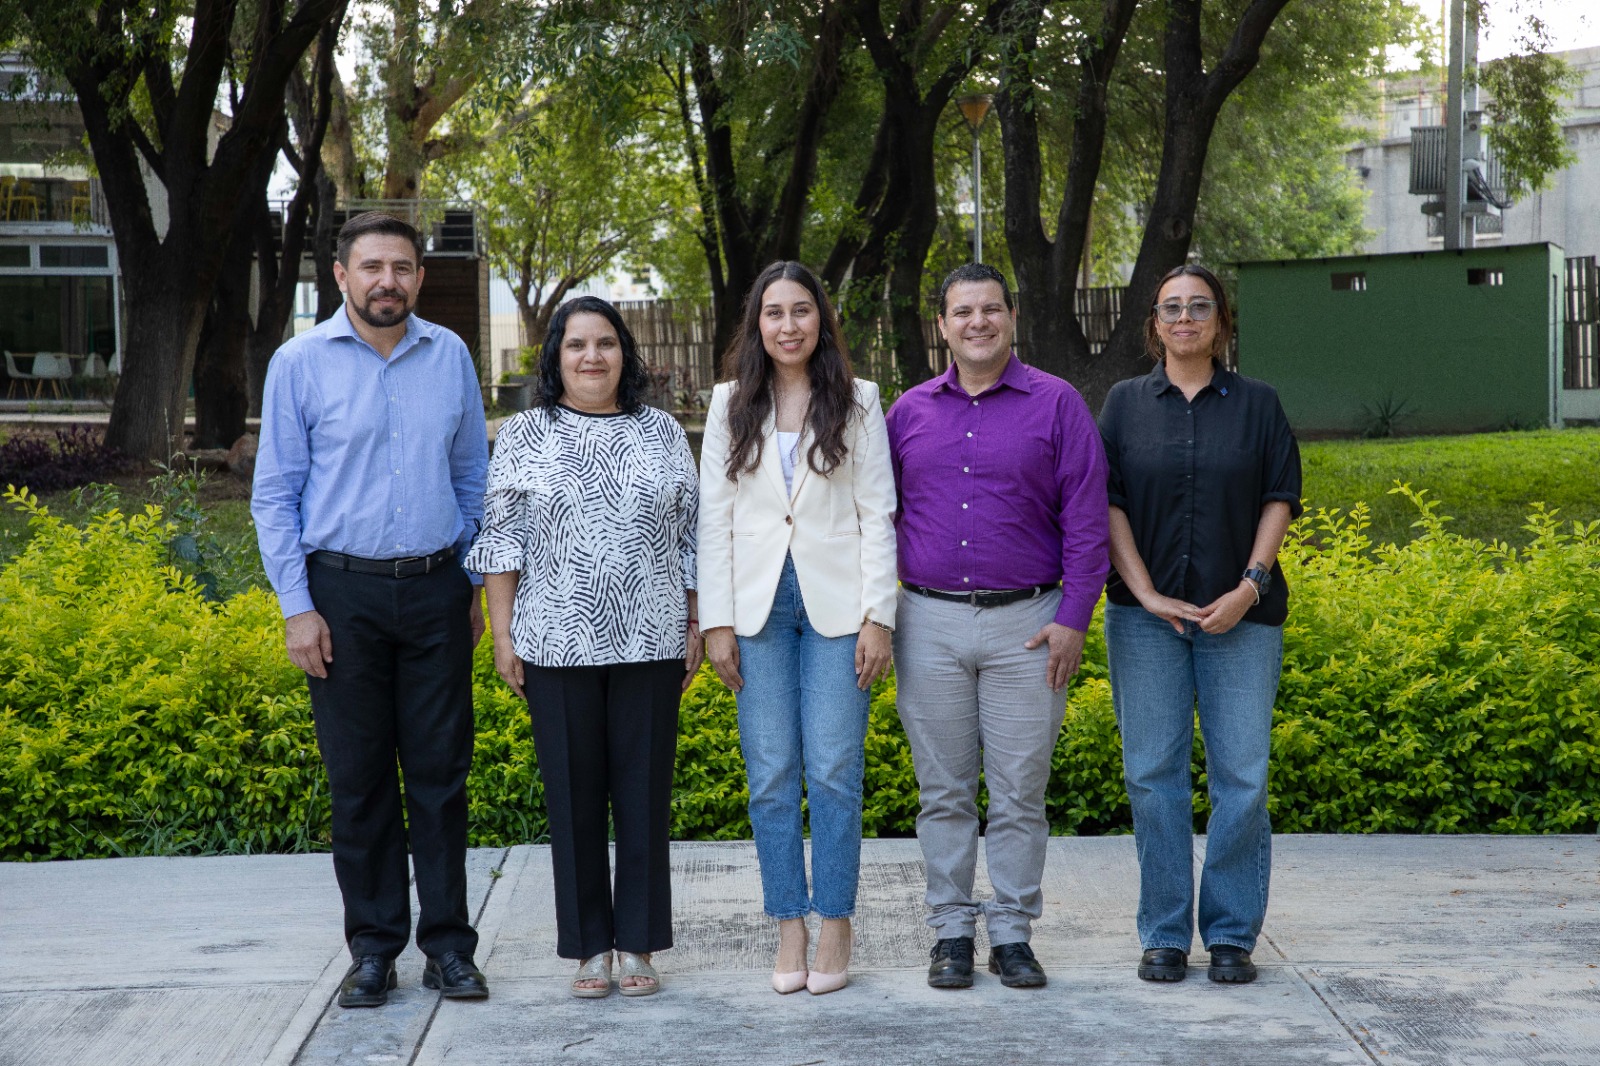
[15, 255]
[73, 255]
[57, 314]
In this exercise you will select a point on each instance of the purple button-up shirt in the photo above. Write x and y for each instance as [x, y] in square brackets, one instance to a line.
[1002, 490]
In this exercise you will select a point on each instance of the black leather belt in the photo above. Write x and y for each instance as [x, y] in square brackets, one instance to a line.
[411, 566]
[985, 597]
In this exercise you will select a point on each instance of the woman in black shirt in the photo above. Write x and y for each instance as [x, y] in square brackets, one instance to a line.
[1205, 478]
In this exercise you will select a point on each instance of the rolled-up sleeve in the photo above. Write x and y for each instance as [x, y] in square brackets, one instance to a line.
[1280, 469]
[1085, 515]
[500, 544]
[283, 462]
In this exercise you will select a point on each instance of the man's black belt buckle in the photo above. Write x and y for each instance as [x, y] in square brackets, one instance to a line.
[984, 597]
[410, 566]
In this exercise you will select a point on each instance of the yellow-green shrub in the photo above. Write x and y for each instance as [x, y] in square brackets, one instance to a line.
[1442, 686]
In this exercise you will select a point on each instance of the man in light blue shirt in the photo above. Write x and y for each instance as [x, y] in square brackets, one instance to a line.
[368, 492]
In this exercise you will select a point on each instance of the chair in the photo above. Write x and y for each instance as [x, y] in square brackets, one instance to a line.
[54, 368]
[43, 367]
[17, 375]
[18, 199]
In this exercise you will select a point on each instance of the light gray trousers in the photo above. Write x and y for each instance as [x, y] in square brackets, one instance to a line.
[969, 692]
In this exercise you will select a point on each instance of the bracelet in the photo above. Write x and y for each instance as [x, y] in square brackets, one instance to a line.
[694, 621]
[1253, 587]
[880, 625]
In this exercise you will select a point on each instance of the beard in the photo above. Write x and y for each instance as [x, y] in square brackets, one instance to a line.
[383, 319]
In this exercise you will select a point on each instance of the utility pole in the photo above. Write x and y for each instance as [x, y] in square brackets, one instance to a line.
[1462, 138]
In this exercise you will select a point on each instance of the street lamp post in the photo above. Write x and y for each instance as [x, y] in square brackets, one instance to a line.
[975, 109]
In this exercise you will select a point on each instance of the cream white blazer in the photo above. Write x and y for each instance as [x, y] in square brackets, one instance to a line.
[839, 528]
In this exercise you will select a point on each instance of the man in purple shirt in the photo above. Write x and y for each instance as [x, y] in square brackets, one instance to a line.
[1003, 554]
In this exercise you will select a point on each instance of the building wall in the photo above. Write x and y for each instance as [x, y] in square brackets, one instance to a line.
[1566, 213]
[455, 294]
[1453, 357]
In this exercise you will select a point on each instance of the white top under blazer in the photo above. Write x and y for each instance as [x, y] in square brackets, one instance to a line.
[839, 528]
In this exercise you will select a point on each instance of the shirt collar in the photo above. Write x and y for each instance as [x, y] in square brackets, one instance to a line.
[339, 325]
[1014, 376]
[1221, 378]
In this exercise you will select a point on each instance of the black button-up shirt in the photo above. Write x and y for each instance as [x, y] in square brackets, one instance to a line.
[1192, 477]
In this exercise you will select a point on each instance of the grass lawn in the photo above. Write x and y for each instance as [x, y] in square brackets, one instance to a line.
[225, 498]
[1486, 481]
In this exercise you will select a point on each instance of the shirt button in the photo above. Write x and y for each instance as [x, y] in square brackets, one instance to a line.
[397, 510]
[788, 519]
[394, 434]
[966, 580]
[969, 434]
[397, 471]
[963, 507]
[974, 403]
[394, 399]
[966, 470]
[963, 544]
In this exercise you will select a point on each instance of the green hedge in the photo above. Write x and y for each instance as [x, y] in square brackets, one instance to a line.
[1443, 686]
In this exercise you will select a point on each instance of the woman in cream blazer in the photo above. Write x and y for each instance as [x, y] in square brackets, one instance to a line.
[797, 596]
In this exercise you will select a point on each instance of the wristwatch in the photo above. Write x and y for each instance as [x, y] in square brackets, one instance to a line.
[1260, 577]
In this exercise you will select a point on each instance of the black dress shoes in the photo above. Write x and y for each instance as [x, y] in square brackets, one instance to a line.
[1163, 964]
[952, 963]
[1016, 966]
[1231, 965]
[456, 976]
[368, 981]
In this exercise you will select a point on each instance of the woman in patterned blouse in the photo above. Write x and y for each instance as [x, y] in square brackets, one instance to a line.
[588, 558]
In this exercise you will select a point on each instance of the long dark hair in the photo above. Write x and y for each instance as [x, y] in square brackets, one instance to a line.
[746, 363]
[1152, 339]
[635, 378]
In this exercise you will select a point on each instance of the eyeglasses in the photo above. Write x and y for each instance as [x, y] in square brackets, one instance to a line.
[1172, 310]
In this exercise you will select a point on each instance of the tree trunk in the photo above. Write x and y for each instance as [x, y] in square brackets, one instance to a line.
[1048, 331]
[170, 277]
[534, 324]
[165, 312]
[1194, 99]
[324, 247]
[903, 222]
[755, 231]
[221, 385]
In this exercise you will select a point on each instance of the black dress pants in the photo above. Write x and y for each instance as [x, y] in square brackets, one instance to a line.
[607, 741]
[399, 690]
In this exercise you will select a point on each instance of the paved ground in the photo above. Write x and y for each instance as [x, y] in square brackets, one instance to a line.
[1444, 951]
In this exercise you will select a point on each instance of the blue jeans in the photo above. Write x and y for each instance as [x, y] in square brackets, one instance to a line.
[1158, 678]
[801, 715]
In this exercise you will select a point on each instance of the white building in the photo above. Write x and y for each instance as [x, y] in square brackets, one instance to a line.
[1566, 213]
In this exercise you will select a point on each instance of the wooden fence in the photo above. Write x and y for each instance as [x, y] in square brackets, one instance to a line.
[675, 338]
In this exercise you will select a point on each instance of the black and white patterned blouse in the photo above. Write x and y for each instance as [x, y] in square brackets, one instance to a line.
[598, 514]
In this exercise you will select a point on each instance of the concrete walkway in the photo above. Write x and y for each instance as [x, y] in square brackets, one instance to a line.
[1446, 951]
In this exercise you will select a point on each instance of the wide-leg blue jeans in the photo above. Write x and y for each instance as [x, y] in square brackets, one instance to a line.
[1159, 677]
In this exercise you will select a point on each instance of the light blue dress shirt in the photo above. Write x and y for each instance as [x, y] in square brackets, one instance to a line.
[380, 458]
